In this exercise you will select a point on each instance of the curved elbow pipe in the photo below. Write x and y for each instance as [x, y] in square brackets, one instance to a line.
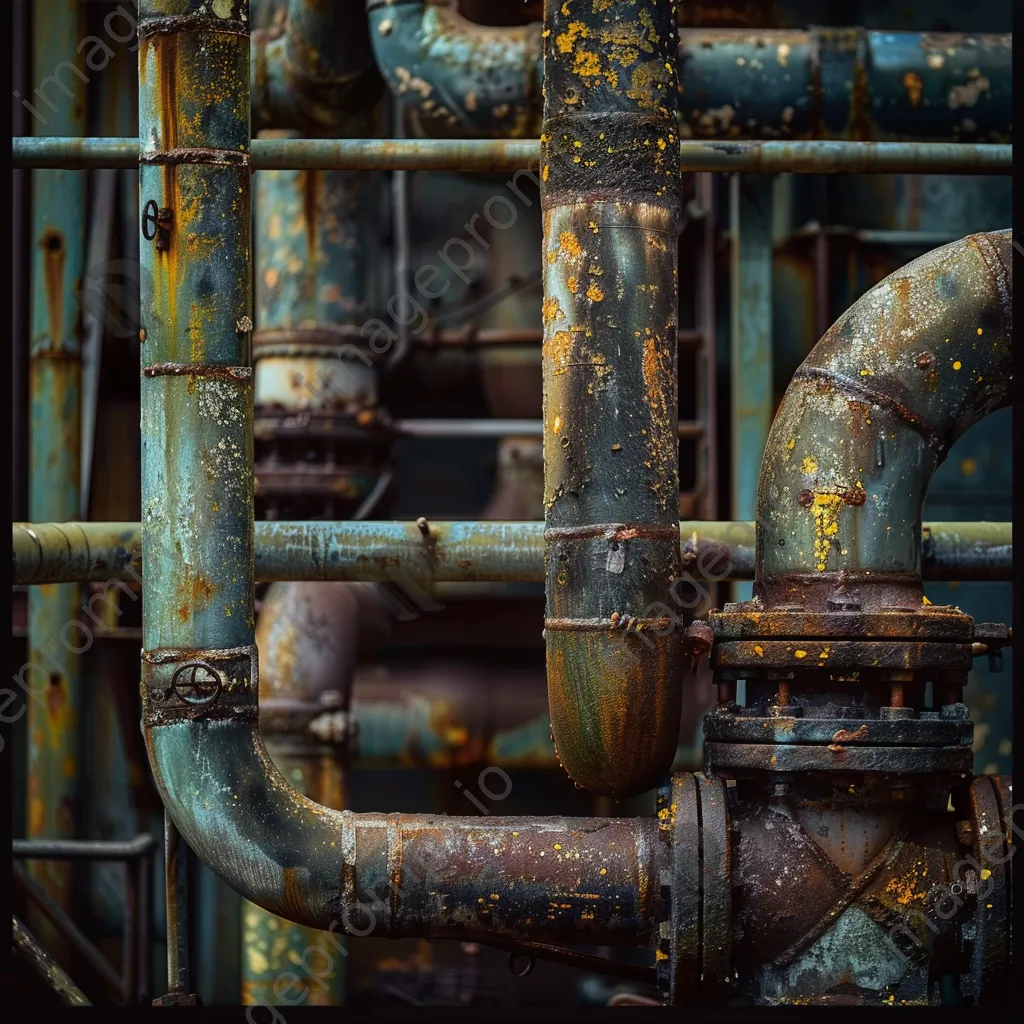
[611, 489]
[315, 72]
[461, 79]
[868, 418]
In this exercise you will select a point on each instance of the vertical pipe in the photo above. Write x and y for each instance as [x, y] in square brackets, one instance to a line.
[177, 890]
[196, 389]
[610, 199]
[55, 637]
[750, 209]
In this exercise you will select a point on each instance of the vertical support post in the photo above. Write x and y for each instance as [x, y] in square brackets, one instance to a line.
[750, 217]
[56, 637]
[196, 390]
[176, 884]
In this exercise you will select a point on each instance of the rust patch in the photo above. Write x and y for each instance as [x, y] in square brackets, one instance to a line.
[845, 736]
[54, 259]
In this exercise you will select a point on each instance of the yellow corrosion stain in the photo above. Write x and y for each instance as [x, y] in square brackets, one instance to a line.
[799, 654]
[558, 350]
[759, 650]
[913, 84]
[809, 465]
[956, 364]
[567, 39]
[557, 425]
[825, 512]
[551, 310]
[594, 293]
[569, 244]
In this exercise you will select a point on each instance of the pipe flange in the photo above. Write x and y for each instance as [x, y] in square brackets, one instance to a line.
[733, 659]
[749, 620]
[693, 955]
[731, 724]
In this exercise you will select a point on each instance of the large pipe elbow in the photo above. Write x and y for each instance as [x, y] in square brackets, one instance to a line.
[313, 68]
[870, 415]
[459, 78]
[610, 198]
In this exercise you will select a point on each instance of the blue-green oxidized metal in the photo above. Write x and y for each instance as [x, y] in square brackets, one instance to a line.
[55, 373]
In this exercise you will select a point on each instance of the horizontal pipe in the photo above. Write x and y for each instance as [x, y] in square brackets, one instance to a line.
[84, 849]
[510, 155]
[469, 552]
[498, 428]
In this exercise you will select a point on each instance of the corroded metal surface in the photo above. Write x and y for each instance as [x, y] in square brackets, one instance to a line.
[462, 552]
[456, 77]
[317, 454]
[860, 892]
[46, 967]
[835, 83]
[511, 155]
[196, 314]
[870, 414]
[590, 880]
[52, 676]
[611, 209]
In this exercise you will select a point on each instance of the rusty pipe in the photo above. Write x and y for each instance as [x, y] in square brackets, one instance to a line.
[611, 217]
[869, 416]
[313, 68]
[457, 77]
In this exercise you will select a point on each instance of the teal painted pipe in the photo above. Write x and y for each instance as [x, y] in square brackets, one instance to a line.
[510, 155]
[458, 78]
[55, 379]
[316, 250]
[456, 552]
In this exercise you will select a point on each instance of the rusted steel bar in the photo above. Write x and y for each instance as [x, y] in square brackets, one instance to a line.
[456, 77]
[610, 199]
[46, 967]
[176, 891]
[70, 933]
[522, 155]
[453, 552]
[55, 382]
[869, 416]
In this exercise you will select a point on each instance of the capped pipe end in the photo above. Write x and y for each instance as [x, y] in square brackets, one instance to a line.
[615, 704]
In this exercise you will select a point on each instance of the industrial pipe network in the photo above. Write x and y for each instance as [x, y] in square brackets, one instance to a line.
[838, 786]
